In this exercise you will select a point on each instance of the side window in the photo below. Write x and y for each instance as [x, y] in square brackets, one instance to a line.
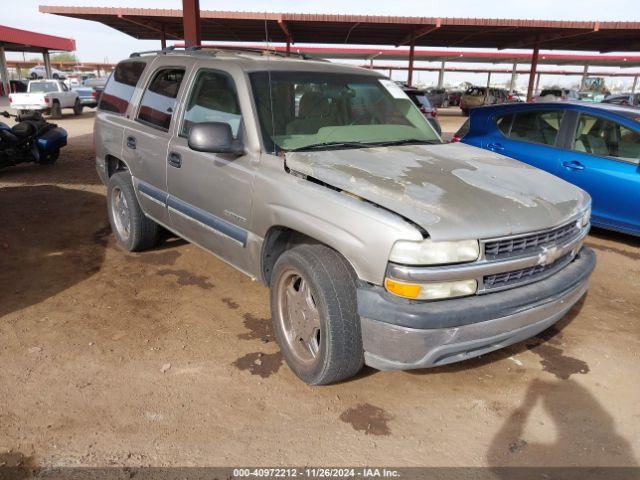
[213, 98]
[159, 99]
[120, 87]
[606, 138]
[504, 124]
[537, 127]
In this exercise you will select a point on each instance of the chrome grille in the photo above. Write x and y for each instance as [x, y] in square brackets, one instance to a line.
[524, 275]
[496, 249]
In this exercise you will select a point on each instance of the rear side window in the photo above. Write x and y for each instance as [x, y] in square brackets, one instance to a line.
[159, 99]
[537, 127]
[120, 87]
[504, 124]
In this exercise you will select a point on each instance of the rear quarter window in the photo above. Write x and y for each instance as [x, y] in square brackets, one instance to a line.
[120, 87]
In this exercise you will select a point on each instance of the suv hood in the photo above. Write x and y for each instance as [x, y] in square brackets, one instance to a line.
[453, 191]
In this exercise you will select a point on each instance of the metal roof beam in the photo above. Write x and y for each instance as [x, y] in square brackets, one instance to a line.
[421, 32]
[528, 42]
[151, 26]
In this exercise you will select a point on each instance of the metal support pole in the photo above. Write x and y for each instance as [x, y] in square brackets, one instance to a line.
[288, 48]
[514, 75]
[4, 73]
[412, 46]
[532, 72]
[585, 73]
[163, 38]
[391, 72]
[47, 63]
[635, 84]
[488, 79]
[538, 82]
[191, 22]
[441, 75]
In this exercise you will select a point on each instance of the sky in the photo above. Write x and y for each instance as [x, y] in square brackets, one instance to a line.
[96, 42]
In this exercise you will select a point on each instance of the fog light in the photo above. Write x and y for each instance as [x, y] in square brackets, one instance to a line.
[431, 291]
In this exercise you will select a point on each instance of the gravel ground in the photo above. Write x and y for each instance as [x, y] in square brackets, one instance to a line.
[167, 358]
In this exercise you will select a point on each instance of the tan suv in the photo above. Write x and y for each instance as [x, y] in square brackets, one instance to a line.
[475, 97]
[380, 244]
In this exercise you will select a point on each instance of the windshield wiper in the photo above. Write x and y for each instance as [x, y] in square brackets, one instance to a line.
[406, 141]
[322, 145]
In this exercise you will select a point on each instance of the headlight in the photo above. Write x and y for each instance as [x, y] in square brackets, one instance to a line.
[431, 291]
[428, 252]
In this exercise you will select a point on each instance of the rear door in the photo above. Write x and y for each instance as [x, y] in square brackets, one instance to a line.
[603, 158]
[147, 137]
[530, 136]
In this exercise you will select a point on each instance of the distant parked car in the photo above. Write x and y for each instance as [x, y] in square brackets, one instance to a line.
[87, 95]
[475, 97]
[438, 97]
[39, 72]
[420, 99]
[97, 84]
[454, 97]
[626, 99]
[557, 94]
[593, 146]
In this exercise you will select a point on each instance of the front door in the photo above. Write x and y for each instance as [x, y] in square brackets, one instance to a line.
[210, 194]
[604, 159]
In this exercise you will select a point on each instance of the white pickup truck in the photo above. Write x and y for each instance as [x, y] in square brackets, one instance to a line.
[47, 96]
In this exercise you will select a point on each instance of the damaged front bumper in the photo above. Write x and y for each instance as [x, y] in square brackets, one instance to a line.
[399, 334]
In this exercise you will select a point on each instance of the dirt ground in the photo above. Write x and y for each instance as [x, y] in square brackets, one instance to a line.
[167, 358]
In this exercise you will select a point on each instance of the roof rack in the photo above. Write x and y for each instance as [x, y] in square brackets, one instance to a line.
[222, 48]
[164, 51]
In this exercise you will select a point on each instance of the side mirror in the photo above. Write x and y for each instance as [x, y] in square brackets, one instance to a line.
[214, 137]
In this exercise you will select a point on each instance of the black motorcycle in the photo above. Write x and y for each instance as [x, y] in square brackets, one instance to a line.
[32, 139]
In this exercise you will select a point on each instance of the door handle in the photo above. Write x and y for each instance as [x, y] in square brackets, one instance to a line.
[573, 165]
[174, 159]
[131, 143]
[496, 147]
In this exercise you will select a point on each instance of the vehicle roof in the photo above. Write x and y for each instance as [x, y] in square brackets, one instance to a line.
[255, 60]
[622, 110]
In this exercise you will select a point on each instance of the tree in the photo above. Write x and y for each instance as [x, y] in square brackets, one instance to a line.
[64, 57]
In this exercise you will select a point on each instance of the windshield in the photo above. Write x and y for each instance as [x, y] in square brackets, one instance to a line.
[298, 110]
[39, 87]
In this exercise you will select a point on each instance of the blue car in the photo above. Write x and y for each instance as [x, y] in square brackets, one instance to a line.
[593, 146]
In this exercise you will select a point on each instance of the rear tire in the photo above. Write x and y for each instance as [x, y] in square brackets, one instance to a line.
[56, 110]
[50, 158]
[133, 230]
[77, 107]
[314, 314]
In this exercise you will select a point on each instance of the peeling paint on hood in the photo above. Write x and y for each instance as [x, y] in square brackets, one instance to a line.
[454, 191]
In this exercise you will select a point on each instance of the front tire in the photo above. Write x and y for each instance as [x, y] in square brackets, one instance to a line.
[314, 314]
[133, 230]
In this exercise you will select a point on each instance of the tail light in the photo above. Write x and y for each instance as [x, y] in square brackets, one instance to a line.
[47, 99]
[423, 110]
[434, 112]
[10, 99]
[510, 98]
[94, 94]
[455, 138]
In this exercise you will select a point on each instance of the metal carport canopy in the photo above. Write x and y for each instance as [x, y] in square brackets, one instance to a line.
[195, 25]
[368, 29]
[16, 40]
